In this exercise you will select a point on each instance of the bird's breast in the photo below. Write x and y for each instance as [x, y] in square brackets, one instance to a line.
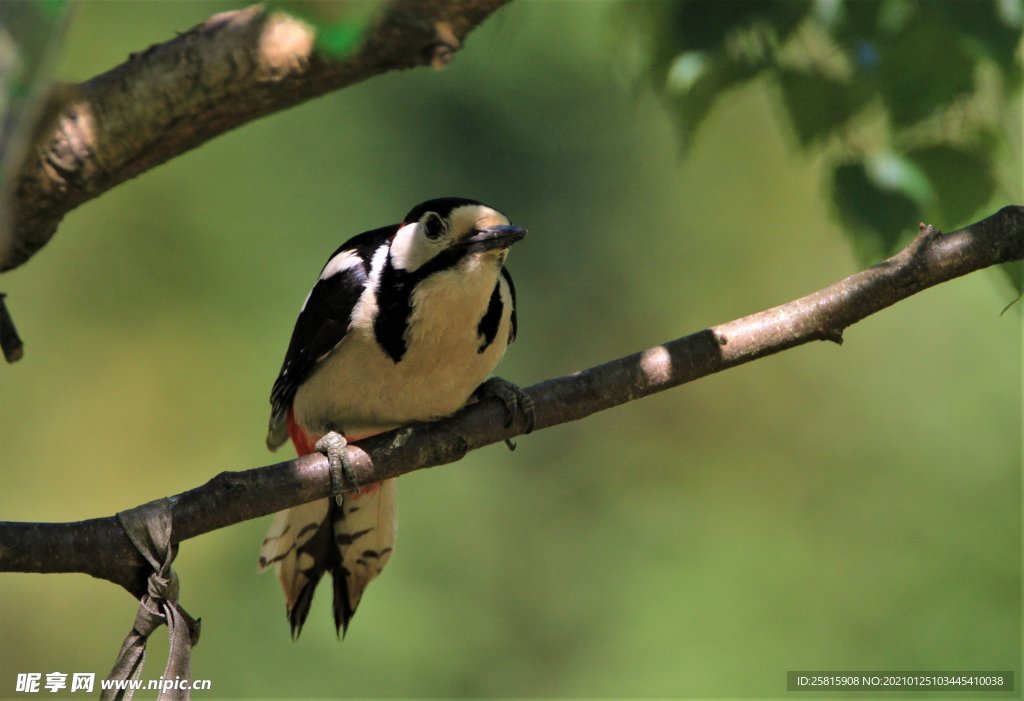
[358, 388]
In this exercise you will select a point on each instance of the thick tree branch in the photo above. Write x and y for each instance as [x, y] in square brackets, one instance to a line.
[233, 68]
[99, 547]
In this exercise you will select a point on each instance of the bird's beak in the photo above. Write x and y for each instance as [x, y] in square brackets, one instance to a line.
[490, 237]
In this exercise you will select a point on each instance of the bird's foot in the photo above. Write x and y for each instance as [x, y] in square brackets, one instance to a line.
[515, 399]
[333, 444]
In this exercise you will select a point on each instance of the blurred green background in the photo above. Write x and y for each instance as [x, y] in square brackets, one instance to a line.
[854, 507]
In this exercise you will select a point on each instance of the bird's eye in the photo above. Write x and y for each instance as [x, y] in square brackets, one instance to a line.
[433, 227]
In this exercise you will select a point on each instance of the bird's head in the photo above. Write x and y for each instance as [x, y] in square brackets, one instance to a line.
[455, 229]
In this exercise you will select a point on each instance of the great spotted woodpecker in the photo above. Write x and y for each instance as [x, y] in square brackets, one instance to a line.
[404, 324]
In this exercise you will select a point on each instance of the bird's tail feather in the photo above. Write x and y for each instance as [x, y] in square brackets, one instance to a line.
[352, 541]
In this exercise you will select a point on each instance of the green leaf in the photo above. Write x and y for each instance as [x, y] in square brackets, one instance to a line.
[922, 69]
[53, 8]
[858, 19]
[963, 181]
[696, 87]
[686, 71]
[993, 26]
[817, 105]
[341, 38]
[698, 25]
[876, 214]
[340, 25]
[890, 171]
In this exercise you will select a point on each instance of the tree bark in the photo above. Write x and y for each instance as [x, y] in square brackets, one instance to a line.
[99, 547]
[231, 69]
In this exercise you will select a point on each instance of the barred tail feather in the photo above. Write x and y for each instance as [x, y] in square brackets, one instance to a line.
[352, 541]
[298, 546]
[364, 529]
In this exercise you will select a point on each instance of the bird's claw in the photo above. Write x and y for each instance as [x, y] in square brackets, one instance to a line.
[333, 444]
[515, 399]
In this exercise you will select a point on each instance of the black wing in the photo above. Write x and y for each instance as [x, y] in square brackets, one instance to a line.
[322, 324]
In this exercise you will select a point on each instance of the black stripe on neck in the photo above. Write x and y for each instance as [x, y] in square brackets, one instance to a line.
[489, 322]
[394, 299]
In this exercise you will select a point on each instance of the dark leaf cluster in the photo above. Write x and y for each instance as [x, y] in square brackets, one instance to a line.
[909, 99]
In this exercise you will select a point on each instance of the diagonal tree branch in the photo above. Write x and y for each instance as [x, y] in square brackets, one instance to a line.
[99, 547]
[233, 68]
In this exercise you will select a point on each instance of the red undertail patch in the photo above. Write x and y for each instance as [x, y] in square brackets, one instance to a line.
[305, 443]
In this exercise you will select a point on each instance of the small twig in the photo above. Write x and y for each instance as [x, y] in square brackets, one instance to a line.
[10, 342]
[100, 548]
[1011, 303]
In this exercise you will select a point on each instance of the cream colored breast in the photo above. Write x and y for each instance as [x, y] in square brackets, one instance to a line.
[360, 389]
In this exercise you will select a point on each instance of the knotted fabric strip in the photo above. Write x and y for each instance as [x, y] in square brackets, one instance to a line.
[149, 528]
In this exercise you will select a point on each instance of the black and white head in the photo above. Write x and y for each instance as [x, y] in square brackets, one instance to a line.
[452, 230]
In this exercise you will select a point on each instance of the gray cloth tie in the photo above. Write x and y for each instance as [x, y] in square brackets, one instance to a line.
[149, 528]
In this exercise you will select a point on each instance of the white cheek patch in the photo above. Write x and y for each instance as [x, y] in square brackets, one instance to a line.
[407, 251]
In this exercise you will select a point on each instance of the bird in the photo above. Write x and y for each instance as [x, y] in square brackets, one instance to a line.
[404, 324]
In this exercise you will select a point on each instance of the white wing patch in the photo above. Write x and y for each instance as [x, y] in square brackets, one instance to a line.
[339, 263]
